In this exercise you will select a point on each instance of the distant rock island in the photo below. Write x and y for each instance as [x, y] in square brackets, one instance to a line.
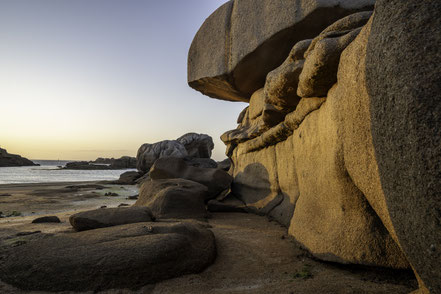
[103, 163]
[8, 160]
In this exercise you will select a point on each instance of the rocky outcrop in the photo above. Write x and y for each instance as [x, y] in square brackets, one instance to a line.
[340, 142]
[197, 145]
[404, 86]
[119, 163]
[230, 61]
[174, 198]
[216, 180]
[190, 146]
[124, 162]
[9, 160]
[128, 178]
[149, 153]
[127, 256]
[108, 217]
[86, 165]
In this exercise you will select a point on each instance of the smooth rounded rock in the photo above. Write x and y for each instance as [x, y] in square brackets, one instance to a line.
[101, 218]
[216, 180]
[174, 198]
[127, 256]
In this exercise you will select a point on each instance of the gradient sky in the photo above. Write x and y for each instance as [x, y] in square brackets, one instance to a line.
[97, 78]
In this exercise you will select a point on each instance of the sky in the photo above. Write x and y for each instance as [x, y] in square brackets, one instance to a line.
[97, 78]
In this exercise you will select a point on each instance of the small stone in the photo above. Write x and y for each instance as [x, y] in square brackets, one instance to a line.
[46, 219]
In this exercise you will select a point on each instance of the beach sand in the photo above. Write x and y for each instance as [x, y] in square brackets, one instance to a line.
[255, 255]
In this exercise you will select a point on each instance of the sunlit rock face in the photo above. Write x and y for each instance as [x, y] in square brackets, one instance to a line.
[228, 60]
[314, 148]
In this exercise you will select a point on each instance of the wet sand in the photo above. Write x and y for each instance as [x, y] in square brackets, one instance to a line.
[45, 198]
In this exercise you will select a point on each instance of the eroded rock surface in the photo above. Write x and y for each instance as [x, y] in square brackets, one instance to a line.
[404, 84]
[197, 145]
[230, 61]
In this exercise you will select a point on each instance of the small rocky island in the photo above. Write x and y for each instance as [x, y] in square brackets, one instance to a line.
[8, 160]
[100, 163]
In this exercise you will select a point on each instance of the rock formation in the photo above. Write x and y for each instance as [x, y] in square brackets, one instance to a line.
[190, 146]
[8, 160]
[125, 256]
[174, 198]
[125, 162]
[118, 163]
[109, 217]
[341, 136]
[216, 180]
[403, 77]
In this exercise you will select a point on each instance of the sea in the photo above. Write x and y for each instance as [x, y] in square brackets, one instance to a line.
[49, 171]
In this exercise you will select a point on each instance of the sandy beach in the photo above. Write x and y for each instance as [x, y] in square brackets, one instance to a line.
[255, 255]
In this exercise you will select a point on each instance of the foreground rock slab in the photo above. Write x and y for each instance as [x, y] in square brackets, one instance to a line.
[108, 217]
[128, 256]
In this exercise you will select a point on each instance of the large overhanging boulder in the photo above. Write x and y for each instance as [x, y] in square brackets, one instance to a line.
[228, 60]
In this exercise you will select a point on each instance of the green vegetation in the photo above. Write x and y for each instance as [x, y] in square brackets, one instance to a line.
[305, 273]
[13, 213]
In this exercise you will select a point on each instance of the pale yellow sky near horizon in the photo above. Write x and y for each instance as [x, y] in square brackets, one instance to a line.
[76, 84]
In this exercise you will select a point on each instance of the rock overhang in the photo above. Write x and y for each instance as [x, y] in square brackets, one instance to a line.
[243, 40]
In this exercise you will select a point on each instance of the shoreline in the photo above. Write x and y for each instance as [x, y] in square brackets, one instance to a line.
[54, 197]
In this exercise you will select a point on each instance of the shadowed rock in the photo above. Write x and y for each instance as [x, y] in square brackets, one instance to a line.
[101, 218]
[200, 162]
[149, 153]
[46, 219]
[174, 198]
[197, 145]
[127, 256]
[216, 180]
[403, 76]
[218, 206]
[128, 178]
[7, 159]
[224, 164]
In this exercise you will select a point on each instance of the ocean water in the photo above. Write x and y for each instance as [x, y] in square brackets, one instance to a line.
[49, 172]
